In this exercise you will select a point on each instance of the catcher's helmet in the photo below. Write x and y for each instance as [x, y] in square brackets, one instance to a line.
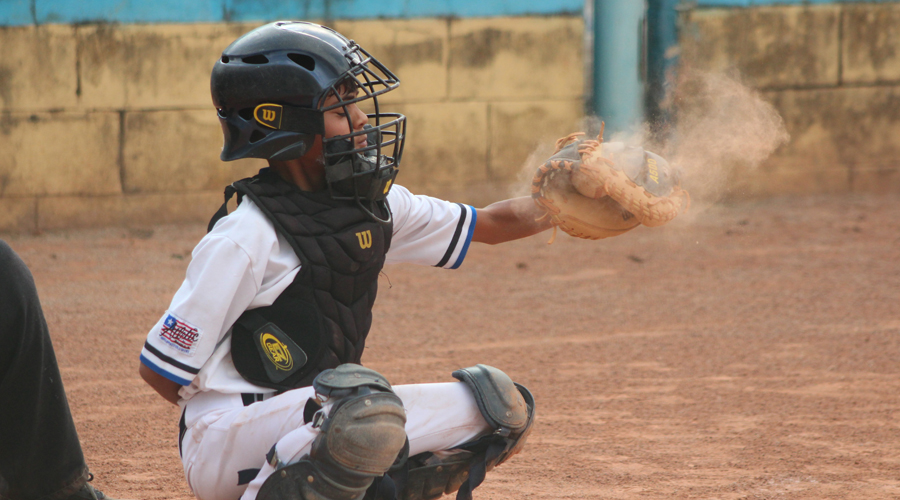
[270, 87]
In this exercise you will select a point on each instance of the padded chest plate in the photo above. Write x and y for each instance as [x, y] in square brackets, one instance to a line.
[327, 311]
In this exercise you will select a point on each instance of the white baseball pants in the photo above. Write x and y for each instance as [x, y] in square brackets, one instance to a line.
[225, 437]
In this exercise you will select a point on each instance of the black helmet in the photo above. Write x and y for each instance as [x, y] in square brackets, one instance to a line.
[270, 86]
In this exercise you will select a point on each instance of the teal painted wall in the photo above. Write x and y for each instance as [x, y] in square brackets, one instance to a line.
[24, 12]
[21, 12]
[757, 3]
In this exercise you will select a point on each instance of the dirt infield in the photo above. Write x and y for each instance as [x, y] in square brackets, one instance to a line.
[747, 351]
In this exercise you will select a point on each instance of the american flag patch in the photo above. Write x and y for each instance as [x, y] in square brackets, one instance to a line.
[179, 334]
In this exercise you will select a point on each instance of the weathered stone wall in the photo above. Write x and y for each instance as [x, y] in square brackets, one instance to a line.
[832, 71]
[113, 124]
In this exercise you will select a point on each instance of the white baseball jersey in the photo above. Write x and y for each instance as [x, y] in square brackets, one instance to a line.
[243, 263]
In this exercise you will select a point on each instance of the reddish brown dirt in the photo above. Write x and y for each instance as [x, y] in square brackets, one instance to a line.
[749, 351]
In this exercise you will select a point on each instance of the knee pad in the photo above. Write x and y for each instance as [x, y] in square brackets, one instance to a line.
[508, 407]
[359, 440]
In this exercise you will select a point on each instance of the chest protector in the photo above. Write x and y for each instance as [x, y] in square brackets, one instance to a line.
[321, 320]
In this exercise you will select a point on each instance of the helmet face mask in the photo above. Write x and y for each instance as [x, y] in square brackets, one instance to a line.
[271, 87]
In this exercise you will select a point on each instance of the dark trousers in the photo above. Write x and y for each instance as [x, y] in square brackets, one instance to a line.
[40, 455]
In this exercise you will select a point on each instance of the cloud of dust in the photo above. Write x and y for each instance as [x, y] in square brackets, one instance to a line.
[721, 126]
[718, 127]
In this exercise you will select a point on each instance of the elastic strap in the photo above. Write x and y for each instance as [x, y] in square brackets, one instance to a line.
[303, 120]
[223, 210]
[479, 470]
[252, 320]
[182, 429]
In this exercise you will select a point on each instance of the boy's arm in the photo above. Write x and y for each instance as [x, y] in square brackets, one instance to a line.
[509, 220]
[165, 387]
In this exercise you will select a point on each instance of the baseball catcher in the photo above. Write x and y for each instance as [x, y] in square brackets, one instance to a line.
[263, 342]
[594, 190]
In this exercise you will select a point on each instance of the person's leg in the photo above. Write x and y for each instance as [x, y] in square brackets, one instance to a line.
[222, 449]
[438, 417]
[40, 455]
[508, 410]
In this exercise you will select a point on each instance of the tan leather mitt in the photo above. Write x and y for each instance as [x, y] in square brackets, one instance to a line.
[595, 190]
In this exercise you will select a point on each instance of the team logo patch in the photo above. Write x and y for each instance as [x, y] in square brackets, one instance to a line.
[281, 357]
[179, 334]
[277, 352]
[269, 115]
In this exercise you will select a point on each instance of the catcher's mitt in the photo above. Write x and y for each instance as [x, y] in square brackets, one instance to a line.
[594, 190]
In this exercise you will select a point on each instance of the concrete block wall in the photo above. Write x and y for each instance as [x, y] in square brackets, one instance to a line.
[113, 125]
[832, 71]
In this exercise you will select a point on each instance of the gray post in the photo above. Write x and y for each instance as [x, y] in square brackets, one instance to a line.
[619, 62]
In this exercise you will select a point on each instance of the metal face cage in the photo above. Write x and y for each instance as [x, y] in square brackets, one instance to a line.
[364, 174]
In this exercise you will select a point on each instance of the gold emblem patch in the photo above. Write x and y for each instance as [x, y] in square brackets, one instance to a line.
[276, 351]
[387, 187]
[365, 239]
[268, 115]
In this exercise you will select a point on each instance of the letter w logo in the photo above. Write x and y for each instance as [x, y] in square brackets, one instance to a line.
[268, 115]
[365, 239]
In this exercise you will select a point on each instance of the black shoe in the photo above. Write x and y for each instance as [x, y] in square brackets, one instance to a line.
[88, 492]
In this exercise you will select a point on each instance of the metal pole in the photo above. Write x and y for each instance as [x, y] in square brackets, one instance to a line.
[619, 57]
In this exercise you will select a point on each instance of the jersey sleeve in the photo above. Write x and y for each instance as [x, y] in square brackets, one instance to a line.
[220, 283]
[429, 231]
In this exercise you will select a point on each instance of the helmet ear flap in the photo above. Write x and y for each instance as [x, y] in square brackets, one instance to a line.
[247, 137]
[295, 150]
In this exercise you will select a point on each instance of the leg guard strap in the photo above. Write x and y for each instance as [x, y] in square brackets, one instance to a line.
[304, 481]
[497, 449]
[505, 405]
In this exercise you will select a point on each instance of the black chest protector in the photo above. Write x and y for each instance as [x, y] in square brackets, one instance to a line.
[321, 320]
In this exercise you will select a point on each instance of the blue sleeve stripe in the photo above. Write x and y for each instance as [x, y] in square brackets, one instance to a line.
[453, 241]
[173, 378]
[462, 253]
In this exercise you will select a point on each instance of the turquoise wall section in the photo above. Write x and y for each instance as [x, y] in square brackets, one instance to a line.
[18, 12]
[756, 3]
[23, 12]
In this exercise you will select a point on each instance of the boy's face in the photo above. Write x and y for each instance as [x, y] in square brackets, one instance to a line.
[336, 120]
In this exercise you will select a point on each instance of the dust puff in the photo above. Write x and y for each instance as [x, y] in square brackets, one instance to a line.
[720, 130]
[723, 130]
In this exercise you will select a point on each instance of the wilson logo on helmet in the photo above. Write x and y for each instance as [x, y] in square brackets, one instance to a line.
[269, 115]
